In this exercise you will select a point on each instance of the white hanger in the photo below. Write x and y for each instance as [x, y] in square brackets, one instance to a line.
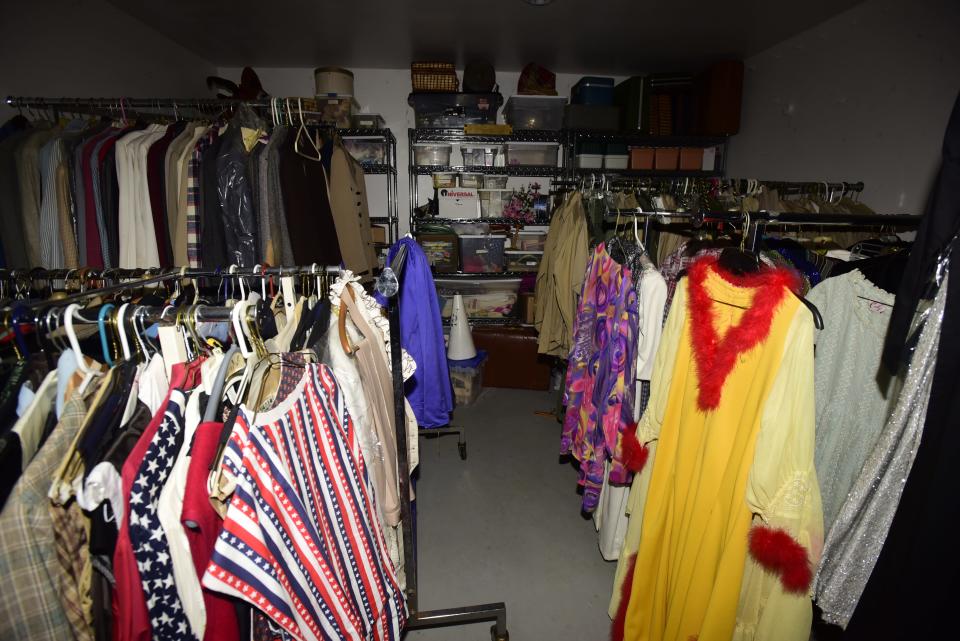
[238, 309]
[72, 337]
[124, 343]
[263, 281]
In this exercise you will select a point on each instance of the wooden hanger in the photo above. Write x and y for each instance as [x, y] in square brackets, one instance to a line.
[342, 321]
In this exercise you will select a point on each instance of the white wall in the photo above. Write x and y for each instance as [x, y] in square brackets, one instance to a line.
[89, 48]
[384, 91]
[862, 96]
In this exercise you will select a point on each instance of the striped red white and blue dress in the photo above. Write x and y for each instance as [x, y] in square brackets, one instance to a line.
[301, 540]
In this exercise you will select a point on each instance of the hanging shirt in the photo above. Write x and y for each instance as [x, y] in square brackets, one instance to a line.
[599, 387]
[300, 540]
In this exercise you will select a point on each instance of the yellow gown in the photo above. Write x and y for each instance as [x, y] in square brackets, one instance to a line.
[714, 472]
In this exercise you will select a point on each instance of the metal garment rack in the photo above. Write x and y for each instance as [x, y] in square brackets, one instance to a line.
[291, 110]
[389, 286]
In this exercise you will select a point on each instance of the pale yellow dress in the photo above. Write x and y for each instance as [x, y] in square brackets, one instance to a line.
[713, 474]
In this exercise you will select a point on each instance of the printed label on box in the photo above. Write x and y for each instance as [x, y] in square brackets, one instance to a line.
[459, 202]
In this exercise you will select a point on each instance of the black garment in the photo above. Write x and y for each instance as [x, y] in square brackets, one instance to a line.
[11, 223]
[886, 272]
[303, 183]
[213, 249]
[940, 224]
[913, 587]
[11, 464]
[236, 199]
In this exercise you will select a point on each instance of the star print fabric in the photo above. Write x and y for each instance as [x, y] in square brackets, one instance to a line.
[301, 541]
[150, 548]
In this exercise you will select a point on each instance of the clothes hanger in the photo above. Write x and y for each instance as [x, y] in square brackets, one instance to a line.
[342, 321]
[300, 132]
[122, 331]
[101, 324]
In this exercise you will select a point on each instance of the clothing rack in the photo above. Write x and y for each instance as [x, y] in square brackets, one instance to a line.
[388, 284]
[290, 110]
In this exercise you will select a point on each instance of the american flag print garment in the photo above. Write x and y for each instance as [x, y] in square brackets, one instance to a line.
[301, 540]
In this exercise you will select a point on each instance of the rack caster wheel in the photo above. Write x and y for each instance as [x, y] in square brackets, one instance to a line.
[463, 451]
[495, 637]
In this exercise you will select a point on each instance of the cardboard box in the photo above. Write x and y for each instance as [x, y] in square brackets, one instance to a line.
[378, 233]
[528, 308]
[459, 202]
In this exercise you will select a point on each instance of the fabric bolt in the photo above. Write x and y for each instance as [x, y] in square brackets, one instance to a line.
[853, 544]
[351, 216]
[854, 393]
[27, 557]
[313, 234]
[11, 222]
[150, 548]
[28, 173]
[718, 469]
[300, 541]
[599, 387]
[430, 394]
[560, 277]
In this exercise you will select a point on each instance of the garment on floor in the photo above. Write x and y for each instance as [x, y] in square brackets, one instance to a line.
[600, 382]
[856, 537]
[560, 277]
[732, 415]
[854, 393]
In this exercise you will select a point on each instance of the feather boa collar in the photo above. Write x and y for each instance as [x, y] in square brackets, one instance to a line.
[715, 356]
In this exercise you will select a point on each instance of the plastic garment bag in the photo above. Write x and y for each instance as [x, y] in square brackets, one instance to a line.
[235, 193]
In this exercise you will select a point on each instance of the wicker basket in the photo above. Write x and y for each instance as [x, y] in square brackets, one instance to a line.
[434, 77]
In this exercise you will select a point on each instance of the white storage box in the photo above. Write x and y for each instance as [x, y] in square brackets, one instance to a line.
[486, 298]
[480, 155]
[616, 161]
[471, 180]
[458, 202]
[366, 149]
[532, 153]
[431, 154]
[590, 161]
[530, 240]
[492, 202]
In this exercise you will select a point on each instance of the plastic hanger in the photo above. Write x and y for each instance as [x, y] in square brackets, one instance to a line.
[122, 331]
[101, 324]
[300, 132]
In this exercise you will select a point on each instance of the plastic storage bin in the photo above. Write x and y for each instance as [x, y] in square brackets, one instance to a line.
[471, 180]
[535, 112]
[366, 151]
[641, 157]
[592, 90]
[495, 182]
[480, 155]
[486, 298]
[532, 153]
[444, 180]
[442, 251]
[492, 202]
[691, 158]
[530, 240]
[589, 161]
[482, 254]
[455, 109]
[337, 111]
[616, 157]
[368, 121]
[523, 261]
[431, 154]
[666, 158]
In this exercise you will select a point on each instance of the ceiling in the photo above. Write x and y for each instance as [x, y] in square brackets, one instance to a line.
[608, 36]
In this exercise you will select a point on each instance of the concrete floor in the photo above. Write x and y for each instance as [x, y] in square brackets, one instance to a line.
[505, 525]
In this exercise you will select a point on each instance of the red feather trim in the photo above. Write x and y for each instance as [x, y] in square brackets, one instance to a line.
[778, 552]
[634, 454]
[619, 621]
[715, 357]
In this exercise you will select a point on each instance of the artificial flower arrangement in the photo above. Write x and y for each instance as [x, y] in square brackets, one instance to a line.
[521, 206]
